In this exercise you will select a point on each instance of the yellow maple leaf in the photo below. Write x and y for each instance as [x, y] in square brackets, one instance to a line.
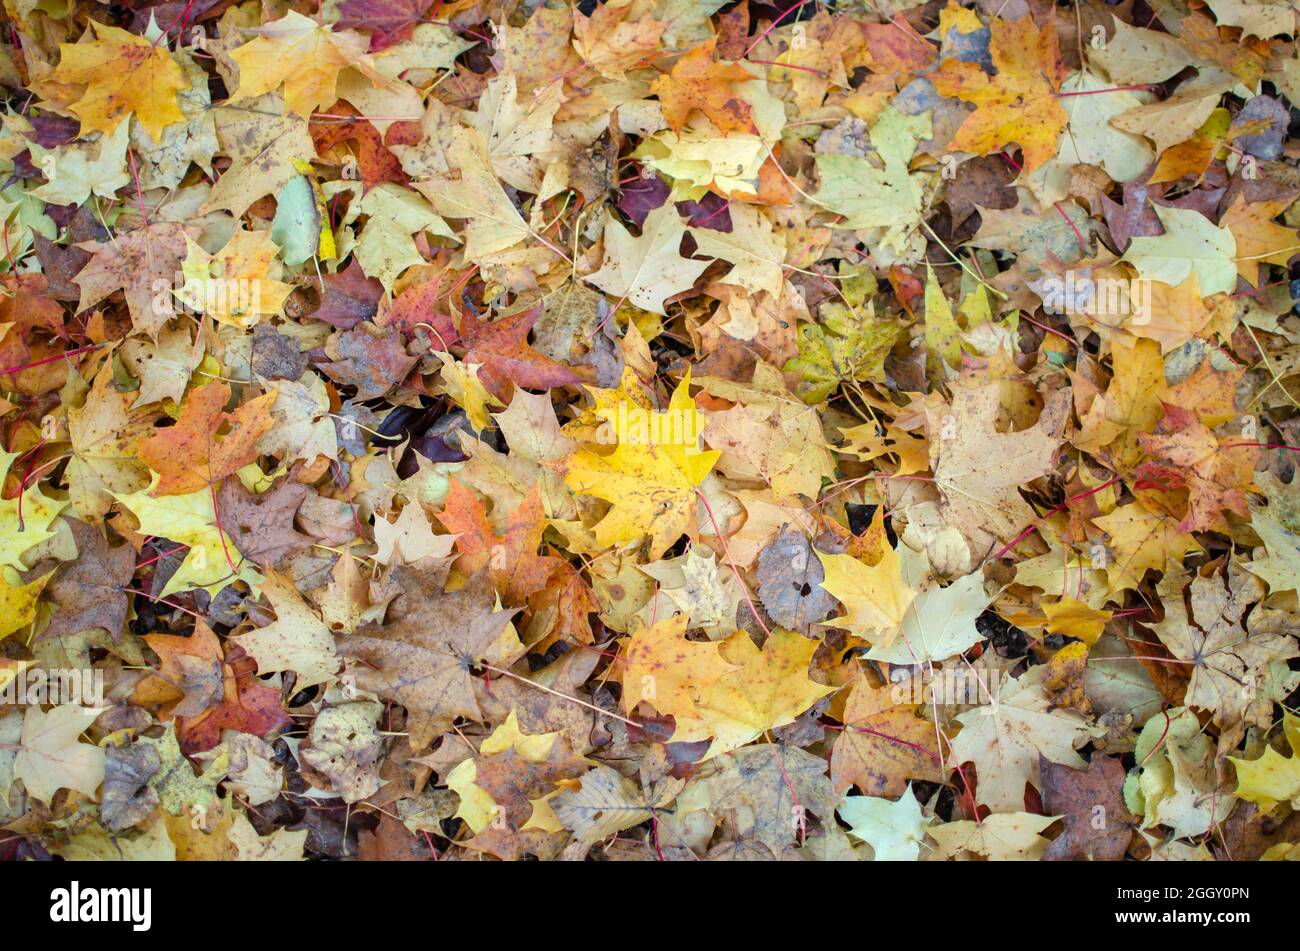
[461, 382]
[1019, 103]
[17, 601]
[1075, 619]
[1279, 568]
[1067, 616]
[1138, 539]
[698, 158]
[770, 688]
[875, 597]
[1131, 404]
[237, 285]
[123, 74]
[305, 57]
[650, 482]
[756, 252]
[1272, 778]
[662, 667]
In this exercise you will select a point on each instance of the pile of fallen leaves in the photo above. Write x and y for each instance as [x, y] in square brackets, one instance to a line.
[650, 429]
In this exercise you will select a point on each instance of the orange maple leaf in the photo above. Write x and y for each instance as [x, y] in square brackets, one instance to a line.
[698, 81]
[195, 453]
[511, 560]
